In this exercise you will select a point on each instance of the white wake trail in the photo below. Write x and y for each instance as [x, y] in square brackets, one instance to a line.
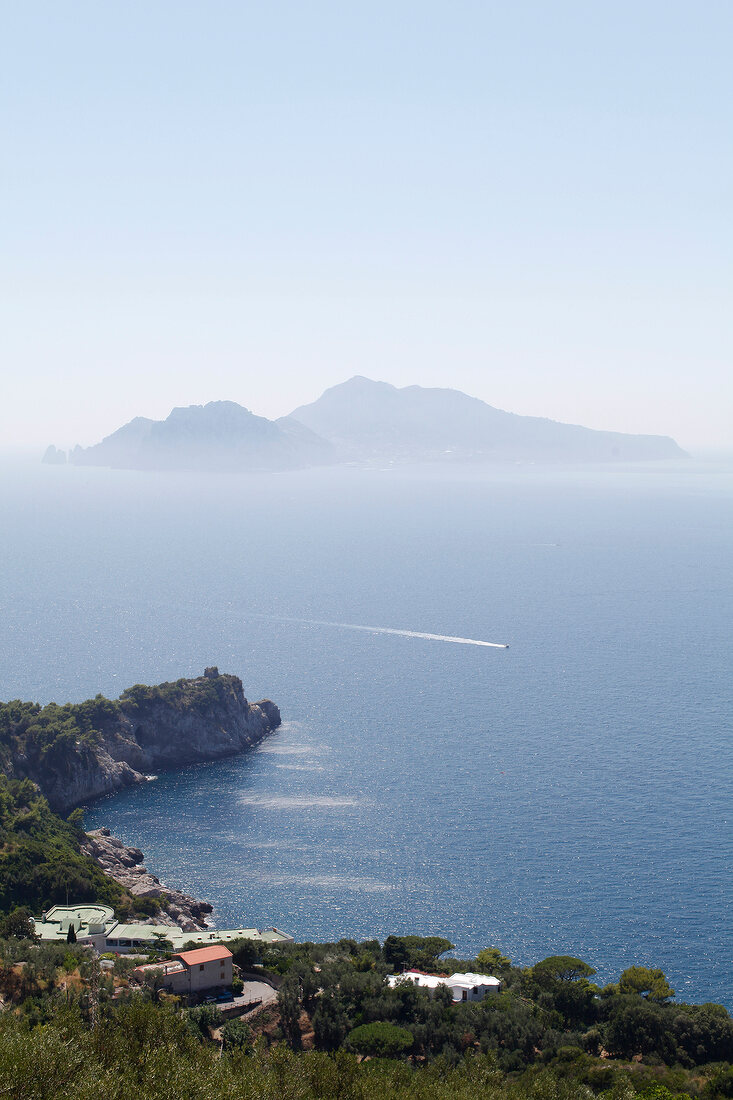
[401, 633]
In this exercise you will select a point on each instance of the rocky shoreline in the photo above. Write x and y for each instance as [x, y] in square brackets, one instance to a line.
[125, 865]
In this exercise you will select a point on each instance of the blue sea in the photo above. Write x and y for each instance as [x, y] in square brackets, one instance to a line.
[570, 794]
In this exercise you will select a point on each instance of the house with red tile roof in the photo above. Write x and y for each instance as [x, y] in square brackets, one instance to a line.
[207, 968]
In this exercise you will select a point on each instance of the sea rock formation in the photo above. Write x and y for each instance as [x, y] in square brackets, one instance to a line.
[78, 752]
[53, 456]
[125, 865]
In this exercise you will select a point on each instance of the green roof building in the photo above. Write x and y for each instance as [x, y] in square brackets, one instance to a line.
[96, 925]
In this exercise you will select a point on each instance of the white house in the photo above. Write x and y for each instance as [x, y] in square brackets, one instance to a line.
[424, 981]
[472, 987]
[463, 987]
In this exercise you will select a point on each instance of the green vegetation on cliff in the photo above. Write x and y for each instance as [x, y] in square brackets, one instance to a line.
[40, 860]
[198, 694]
[53, 751]
[30, 732]
[32, 735]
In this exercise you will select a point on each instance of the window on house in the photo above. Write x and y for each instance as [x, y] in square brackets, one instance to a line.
[201, 967]
[465, 994]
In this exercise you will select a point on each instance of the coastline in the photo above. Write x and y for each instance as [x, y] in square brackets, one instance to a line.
[79, 752]
[126, 866]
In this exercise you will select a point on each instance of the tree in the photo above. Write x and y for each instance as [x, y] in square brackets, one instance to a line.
[71, 934]
[704, 1033]
[414, 951]
[19, 924]
[560, 982]
[290, 1005]
[381, 1040]
[637, 1026]
[720, 1087]
[153, 981]
[330, 1022]
[236, 1035]
[201, 1020]
[647, 981]
[491, 961]
[246, 953]
[561, 968]
[395, 952]
[161, 943]
[309, 986]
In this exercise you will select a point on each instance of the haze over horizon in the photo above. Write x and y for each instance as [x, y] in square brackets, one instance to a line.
[530, 205]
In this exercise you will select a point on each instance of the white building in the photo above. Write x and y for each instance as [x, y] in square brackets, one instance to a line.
[472, 987]
[424, 981]
[90, 924]
[463, 987]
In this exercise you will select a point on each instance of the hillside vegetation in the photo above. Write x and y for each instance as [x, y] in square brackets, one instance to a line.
[551, 1012]
[66, 751]
[339, 1033]
[40, 860]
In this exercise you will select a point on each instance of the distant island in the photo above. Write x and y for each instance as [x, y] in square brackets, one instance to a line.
[359, 422]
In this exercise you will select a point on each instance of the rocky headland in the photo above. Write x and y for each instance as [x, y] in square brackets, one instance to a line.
[80, 751]
[125, 865]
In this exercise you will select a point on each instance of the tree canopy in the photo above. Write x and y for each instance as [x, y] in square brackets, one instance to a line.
[562, 968]
[649, 982]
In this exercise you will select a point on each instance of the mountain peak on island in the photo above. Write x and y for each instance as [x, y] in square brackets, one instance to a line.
[218, 436]
[367, 420]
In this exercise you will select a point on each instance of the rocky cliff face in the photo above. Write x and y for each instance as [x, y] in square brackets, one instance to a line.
[147, 729]
[125, 865]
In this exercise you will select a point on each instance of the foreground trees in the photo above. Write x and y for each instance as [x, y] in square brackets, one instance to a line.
[551, 1035]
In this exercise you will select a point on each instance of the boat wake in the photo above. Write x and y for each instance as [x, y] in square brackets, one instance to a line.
[401, 633]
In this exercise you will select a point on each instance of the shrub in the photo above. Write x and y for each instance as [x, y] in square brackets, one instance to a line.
[381, 1040]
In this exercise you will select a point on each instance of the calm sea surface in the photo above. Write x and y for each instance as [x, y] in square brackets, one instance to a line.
[571, 794]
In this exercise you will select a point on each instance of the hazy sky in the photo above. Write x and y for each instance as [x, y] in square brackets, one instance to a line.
[528, 201]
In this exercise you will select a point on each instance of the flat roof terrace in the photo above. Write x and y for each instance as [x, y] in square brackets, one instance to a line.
[98, 920]
[81, 914]
[125, 935]
[87, 920]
